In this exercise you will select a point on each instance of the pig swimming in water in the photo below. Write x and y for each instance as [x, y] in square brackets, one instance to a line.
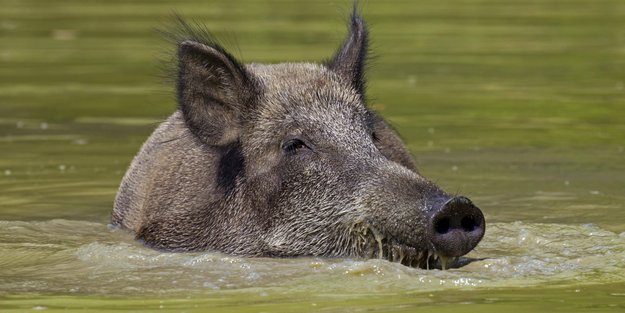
[286, 160]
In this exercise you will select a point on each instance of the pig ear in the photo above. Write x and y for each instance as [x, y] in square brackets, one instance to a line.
[349, 61]
[213, 91]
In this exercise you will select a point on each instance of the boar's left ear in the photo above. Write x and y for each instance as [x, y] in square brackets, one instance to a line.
[349, 61]
[214, 91]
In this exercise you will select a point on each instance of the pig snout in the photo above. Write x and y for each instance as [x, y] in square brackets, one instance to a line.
[456, 227]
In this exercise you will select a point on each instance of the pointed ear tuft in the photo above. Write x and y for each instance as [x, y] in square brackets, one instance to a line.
[350, 60]
[214, 91]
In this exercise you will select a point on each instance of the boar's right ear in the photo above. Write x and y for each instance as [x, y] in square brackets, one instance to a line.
[349, 61]
[214, 90]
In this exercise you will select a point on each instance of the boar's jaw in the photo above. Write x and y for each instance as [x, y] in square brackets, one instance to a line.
[429, 246]
[375, 244]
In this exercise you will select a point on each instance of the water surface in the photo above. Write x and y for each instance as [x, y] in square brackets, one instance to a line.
[519, 105]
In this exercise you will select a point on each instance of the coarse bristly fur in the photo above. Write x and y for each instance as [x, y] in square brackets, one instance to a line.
[277, 160]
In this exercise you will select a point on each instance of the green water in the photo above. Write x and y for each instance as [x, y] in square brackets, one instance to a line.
[519, 105]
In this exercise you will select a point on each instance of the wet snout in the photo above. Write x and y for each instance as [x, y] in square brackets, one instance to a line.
[456, 227]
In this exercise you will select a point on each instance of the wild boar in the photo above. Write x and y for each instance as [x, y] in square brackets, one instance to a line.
[286, 160]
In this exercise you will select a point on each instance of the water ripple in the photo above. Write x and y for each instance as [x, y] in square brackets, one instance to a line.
[76, 256]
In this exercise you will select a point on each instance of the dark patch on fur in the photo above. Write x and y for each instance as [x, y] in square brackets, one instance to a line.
[231, 165]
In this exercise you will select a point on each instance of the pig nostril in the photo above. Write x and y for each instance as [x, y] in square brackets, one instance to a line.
[468, 224]
[442, 226]
[456, 227]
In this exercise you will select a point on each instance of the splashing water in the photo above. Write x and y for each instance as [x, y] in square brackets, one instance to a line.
[84, 257]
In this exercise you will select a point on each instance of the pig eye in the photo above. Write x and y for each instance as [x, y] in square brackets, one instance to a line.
[293, 146]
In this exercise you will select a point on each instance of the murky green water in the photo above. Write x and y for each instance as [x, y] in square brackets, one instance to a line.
[519, 105]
